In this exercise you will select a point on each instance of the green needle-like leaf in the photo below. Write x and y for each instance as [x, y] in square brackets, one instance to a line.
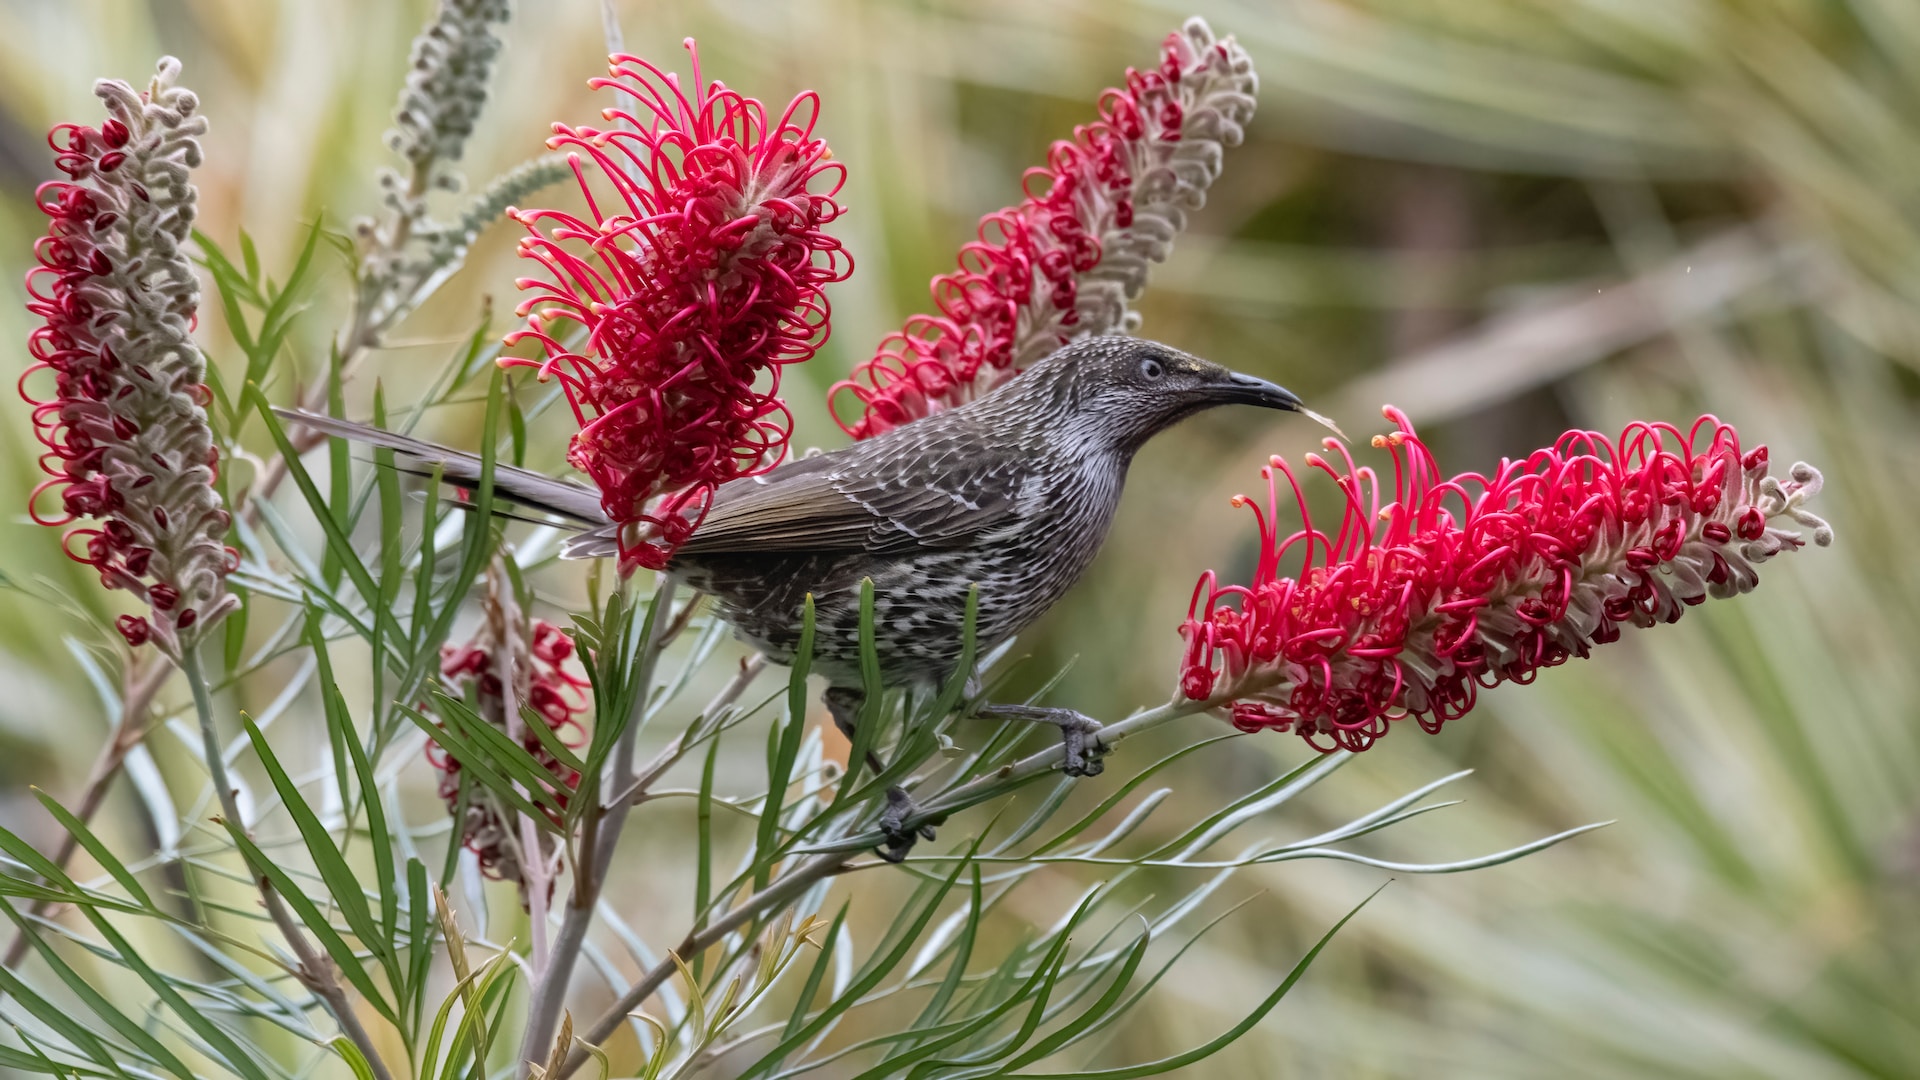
[303, 906]
[87, 840]
[1207, 1050]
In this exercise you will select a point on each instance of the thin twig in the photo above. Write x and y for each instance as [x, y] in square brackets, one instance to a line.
[774, 895]
[136, 697]
[838, 858]
[316, 971]
[669, 755]
[600, 833]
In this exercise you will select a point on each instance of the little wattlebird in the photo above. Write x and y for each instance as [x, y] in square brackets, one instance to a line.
[1012, 493]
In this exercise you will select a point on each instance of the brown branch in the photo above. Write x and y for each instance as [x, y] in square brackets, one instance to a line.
[599, 835]
[780, 892]
[316, 971]
[141, 684]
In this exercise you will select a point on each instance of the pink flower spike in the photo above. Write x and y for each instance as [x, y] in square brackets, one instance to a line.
[125, 430]
[1410, 608]
[514, 670]
[1069, 259]
[698, 274]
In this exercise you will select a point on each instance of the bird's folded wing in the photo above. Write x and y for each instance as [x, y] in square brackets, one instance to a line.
[847, 506]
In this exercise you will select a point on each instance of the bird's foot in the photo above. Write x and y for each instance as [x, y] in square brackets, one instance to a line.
[893, 823]
[1079, 734]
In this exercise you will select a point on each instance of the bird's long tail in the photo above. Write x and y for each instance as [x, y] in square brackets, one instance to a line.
[531, 490]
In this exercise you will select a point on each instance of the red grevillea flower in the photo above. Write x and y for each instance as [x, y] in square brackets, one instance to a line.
[542, 682]
[1408, 609]
[697, 275]
[1067, 261]
[126, 432]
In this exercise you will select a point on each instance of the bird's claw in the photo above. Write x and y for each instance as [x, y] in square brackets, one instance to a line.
[1080, 745]
[1083, 752]
[893, 823]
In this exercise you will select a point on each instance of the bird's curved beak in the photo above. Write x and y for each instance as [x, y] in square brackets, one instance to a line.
[1246, 390]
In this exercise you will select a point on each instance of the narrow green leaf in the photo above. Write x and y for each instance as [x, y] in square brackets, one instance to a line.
[876, 969]
[508, 758]
[456, 840]
[429, 560]
[475, 762]
[79, 831]
[956, 687]
[234, 627]
[392, 555]
[250, 258]
[1106, 805]
[219, 1041]
[419, 937]
[1036, 988]
[277, 320]
[385, 881]
[342, 884]
[61, 1020]
[490, 994]
[339, 468]
[1101, 1007]
[303, 906]
[362, 1069]
[549, 739]
[703, 856]
[1207, 1050]
[786, 751]
[477, 545]
[516, 428]
[337, 540]
[936, 1006]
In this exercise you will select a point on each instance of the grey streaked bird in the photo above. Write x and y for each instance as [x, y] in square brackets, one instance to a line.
[1012, 492]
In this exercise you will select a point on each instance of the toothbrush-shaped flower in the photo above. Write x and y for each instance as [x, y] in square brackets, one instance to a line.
[1069, 259]
[1407, 609]
[127, 441]
[697, 274]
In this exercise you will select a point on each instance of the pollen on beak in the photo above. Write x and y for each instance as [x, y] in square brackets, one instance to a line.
[1248, 390]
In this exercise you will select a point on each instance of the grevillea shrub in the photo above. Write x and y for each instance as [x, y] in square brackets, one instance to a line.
[1069, 259]
[1406, 608]
[125, 431]
[697, 275]
[653, 852]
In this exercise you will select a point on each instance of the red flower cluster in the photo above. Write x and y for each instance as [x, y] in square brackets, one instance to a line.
[1408, 609]
[1066, 262]
[126, 431]
[698, 276]
[544, 684]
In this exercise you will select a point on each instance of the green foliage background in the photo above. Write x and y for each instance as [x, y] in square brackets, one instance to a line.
[1505, 216]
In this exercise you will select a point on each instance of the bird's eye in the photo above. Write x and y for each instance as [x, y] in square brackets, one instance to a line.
[1153, 369]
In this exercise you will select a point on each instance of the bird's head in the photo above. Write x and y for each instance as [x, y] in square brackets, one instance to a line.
[1126, 390]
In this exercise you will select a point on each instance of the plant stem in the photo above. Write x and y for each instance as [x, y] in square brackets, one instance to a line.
[670, 754]
[1010, 776]
[774, 895]
[315, 971]
[600, 833]
[141, 684]
[834, 859]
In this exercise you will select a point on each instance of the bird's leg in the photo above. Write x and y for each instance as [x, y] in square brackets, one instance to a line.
[844, 705]
[1078, 734]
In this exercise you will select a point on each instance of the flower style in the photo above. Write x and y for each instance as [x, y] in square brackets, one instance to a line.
[697, 279]
[1412, 607]
[1067, 261]
[126, 431]
[541, 681]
